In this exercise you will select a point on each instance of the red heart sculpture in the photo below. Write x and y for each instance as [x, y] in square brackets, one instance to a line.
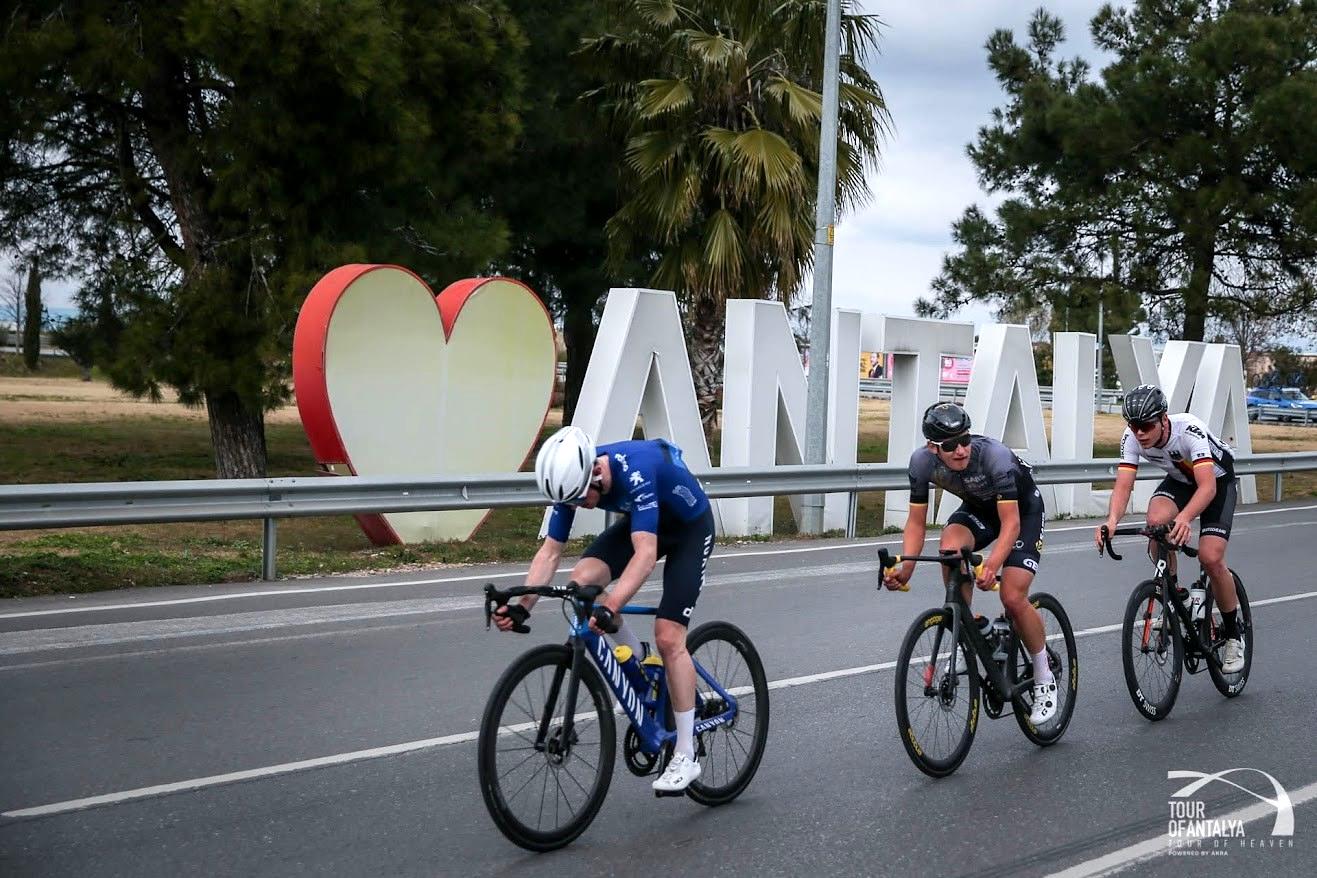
[392, 380]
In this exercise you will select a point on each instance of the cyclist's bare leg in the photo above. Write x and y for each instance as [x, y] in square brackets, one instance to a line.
[670, 637]
[1212, 557]
[1161, 510]
[954, 538]
[1015, 582]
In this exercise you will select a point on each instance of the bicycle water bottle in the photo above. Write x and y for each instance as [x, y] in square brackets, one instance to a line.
[627, 659]
[652, 665]
[1197, 602]
[1001, 632]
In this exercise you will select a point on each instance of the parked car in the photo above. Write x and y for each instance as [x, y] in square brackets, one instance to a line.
[1294, 403]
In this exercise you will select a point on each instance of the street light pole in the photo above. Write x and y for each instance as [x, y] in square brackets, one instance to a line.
[820, 324]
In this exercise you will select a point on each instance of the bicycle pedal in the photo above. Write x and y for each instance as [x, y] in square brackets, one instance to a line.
[669, 794]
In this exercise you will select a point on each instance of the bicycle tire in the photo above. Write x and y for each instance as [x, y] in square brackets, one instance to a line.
[1231, 685]
[1164, 654]
[555, 659]
[717, 748]
[1064, 667]
[914, 669]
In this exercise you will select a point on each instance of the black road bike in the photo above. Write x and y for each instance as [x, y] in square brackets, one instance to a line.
[937, 697]
[1162, 635]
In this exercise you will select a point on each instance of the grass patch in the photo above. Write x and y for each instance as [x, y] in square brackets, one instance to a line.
[12, 366]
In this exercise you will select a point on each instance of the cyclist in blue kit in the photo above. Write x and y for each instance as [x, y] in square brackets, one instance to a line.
[665, 515]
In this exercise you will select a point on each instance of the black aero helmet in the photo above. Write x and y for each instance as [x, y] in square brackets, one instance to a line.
[945, 420]
[1144, 403]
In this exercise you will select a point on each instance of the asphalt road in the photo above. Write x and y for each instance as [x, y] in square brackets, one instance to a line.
[327, 727]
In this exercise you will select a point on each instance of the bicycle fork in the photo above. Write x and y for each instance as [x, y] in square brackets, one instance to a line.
[566, 734]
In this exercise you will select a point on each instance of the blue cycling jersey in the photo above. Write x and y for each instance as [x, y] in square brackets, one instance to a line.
[651, 484]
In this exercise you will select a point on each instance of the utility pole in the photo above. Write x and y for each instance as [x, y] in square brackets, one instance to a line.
[820, 323]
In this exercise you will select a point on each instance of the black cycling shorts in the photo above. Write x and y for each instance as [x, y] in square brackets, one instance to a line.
[984, 524]
[1219, 516]
[687, 549]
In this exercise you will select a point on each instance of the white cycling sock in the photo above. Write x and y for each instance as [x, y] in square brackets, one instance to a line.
[626, 636]
[685, 732]
[1042, 671]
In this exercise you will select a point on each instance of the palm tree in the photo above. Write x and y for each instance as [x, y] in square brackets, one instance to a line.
[719, 102]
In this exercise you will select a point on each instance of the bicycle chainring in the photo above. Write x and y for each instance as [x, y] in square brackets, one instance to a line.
[638, 762]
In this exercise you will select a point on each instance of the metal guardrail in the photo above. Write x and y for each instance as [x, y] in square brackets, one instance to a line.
[1307, 417]
[28, 507]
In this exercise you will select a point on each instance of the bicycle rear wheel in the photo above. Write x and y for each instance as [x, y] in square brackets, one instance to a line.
[542, 796]
[1152, 651]
[937, 710]
[729, 754]
[1229, 685]
[1062, 658]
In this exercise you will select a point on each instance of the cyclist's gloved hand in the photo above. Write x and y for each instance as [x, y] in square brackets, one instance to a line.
[603, 620]
[511, 617]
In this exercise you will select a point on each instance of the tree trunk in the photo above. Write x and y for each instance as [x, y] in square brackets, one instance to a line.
[1196, 293]
[32, 319]
[707, 320]
[578, 330]
[237, 433]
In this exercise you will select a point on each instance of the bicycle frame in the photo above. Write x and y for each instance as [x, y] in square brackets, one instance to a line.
[1192, 634]
[645, 713]
[995, 680]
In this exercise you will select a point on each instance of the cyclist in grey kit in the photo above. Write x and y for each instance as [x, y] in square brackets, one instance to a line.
[999, 502]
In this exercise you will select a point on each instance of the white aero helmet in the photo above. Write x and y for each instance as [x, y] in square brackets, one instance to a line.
[564, 465]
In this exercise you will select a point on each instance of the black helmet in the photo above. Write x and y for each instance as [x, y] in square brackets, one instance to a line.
[1144, 403]
[945, 420]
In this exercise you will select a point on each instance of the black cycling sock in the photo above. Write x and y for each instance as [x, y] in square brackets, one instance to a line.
[1230, 624]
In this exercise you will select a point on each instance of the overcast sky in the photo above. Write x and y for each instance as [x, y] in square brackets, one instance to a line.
[934, 74]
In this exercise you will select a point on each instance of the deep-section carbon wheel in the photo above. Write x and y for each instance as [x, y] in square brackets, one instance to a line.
[1152, 651]
[1062, 658]
[1230, 685]
[937, 709]
[729, 754]
[542, 793]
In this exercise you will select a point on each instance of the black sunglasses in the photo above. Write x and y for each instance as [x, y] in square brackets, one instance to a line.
[950, 445]
[1143, 426]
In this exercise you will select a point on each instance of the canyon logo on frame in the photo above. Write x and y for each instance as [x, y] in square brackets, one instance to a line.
[392, 380]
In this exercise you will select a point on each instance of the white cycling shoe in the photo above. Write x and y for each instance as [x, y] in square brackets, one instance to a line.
[1232, 659]
[1044, 702]
[680, 773]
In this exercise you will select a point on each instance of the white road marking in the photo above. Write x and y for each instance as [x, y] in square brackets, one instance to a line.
[369, 586]
[460, 738]
[1157, 845]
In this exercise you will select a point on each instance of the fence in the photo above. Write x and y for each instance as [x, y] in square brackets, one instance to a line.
[881, 388]
[27, 507]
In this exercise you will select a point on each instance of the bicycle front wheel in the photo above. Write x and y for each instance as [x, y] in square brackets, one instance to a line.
[1062, 658]
[937, 709]
[729, 754]
[1152, 651]
[1229, 685]
[543, 790]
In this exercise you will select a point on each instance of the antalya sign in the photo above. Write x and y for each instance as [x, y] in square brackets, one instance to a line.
[392, 380]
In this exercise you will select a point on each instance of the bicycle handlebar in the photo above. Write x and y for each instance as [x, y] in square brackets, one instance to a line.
[1156, 532]
[495, 599]
[888, 561]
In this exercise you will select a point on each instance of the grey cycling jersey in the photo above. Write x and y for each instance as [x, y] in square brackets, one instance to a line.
[994, 473]
[1188, 443]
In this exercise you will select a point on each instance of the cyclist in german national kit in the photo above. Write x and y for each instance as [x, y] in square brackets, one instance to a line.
[665, 515]
[1200, 483]
[999, 502]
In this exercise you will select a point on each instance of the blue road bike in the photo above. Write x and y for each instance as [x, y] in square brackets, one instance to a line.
[548, 739]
